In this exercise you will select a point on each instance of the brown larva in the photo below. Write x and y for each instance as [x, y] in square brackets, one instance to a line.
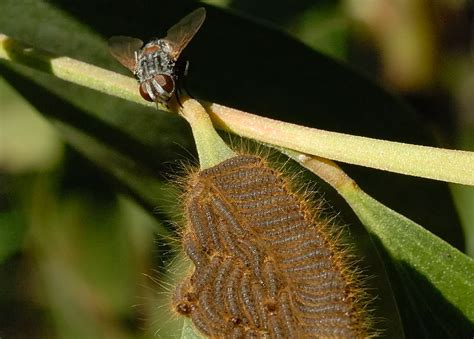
[232, 299]
[258, 295]
[222, 210]
[193, 251]
[286, 314]
[219, 284]
[308, 268]
[258, 193]
[322, 286]
[245, 179]
[254, 257]
[276, 330]
[213, 233]
[203, 276]
[208, 307]
[321, 310]
[272, 284]
[203, 325]
[237, 333]
[232, 164]
[288, 230]
[249, 301]
[231, 244]
[313, 254]
[317, 299]
[304, 254]
[276, 221]
[201, 227]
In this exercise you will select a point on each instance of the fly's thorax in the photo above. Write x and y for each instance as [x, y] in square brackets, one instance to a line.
[154, 58]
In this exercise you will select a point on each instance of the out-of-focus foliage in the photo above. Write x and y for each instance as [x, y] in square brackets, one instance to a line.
[81, 252]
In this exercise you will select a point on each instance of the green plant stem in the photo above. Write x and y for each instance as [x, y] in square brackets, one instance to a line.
[326, 169]
[422, 161]
[212, 150]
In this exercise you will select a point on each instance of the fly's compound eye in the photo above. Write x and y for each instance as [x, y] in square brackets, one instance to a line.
[161, 87]
[166, 82]
[144, 93]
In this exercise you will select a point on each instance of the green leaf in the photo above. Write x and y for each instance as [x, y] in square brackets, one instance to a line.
[12, 232]
[434, 274]
[188, 331]
[212, 150]
[449, 270]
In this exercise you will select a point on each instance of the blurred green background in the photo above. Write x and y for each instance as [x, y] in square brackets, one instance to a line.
[81, 256]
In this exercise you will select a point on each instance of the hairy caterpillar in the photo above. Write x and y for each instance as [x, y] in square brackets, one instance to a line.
[265, 264]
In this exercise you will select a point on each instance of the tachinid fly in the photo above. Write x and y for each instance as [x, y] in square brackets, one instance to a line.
[156, 63]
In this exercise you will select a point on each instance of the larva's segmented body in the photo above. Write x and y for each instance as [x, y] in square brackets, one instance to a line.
[248, 301]
[204, 276]
[232, 301]
[194, 252]
[265, 266]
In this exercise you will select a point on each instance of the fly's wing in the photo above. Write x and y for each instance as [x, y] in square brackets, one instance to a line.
[123, 49]
[180, 34]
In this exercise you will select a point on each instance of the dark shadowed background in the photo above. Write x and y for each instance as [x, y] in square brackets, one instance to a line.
[88, 214]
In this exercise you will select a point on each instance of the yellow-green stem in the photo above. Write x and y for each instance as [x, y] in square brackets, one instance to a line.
[423, 161]
[427, 162]
[211, 148]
